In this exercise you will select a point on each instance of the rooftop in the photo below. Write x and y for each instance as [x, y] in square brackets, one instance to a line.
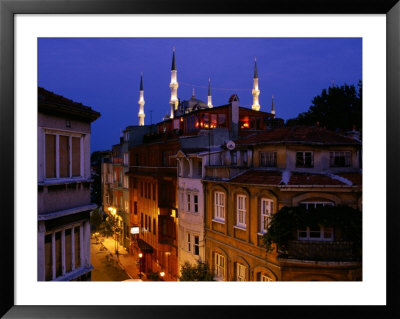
[298, 135]
[287, 178]
[51, 103]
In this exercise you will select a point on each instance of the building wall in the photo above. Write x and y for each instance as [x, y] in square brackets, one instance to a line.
[64, 240]
[245, 246]
[190, 222]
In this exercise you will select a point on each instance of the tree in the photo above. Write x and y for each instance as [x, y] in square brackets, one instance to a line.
[346, 221]
[199, 272]
[338, 107]
[96, 218]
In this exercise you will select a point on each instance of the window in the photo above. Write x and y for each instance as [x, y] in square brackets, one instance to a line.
[339, 159]
[264, 277]
[319, 233]
[196, 247]
[243, 155]
[199, 169]
[304, 159]
[219, 267]
[241, 211]
[189, 245]
[240, 272]
[233, 157]
[66, 258]
[267, 207]
[126, 206]
[149, 224]
[154, 226]
[154, 191]
[268, 159]
[219, 206]
[126, 182]
[145, 221]
[62, 156]
[135, 210]
[188, 203]
[126, 158]
[196, 203]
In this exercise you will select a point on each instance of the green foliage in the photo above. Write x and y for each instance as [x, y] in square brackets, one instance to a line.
[153, 276]
[346, 221]
[109, 226]
[339, 107]
[96, 219]
[199, 272]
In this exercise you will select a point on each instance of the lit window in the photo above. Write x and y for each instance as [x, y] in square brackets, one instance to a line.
[267, 207]
[219, 206]
[304, 159]
[339, 159]
[264, 277]
[241, 211]
[240, 272]
[219, 267]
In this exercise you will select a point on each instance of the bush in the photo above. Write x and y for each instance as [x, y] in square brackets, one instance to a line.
[199, 272]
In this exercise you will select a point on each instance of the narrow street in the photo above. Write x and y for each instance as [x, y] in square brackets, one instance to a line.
[105, 268]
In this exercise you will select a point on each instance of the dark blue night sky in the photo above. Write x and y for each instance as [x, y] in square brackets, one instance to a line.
[104, 73]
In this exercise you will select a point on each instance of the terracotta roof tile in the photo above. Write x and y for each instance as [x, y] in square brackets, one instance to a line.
[266, 177]
[297, 134]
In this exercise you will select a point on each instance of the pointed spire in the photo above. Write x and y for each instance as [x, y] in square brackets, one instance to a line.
[141, 81]
[273, 106]
[255, 68]
[193, 93]
[173, 67]
[209, 87]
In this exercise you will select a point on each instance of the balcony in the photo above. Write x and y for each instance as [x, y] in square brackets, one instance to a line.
[321, 251]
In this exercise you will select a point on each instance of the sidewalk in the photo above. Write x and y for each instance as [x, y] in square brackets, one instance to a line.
[125, 261]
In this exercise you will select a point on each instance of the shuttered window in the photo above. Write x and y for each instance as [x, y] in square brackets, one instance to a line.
[76, 156]
[77, 235]
[58, 255]
[64, 156]
[48, 257]
[50, 156]
[68, 251]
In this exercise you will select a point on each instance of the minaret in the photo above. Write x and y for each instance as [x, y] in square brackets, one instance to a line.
[174, 87]
[273, 106]
[141, 102]
[209, 104]
[255, 91]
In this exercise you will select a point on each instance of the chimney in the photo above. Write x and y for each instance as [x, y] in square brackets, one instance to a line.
[234, 101]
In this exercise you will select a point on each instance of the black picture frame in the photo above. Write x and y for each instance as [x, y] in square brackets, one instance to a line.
[8, 10]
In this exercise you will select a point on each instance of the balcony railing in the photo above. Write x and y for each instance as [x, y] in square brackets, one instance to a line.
[323, 251]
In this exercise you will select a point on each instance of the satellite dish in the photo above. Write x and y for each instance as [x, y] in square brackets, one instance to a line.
[230, 145]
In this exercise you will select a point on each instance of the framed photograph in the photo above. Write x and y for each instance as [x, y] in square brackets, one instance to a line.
[35, 290]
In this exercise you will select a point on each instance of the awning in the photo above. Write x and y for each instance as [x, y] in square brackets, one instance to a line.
[144, 247]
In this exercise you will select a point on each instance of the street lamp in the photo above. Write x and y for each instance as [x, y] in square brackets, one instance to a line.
[162, 274]
[140, 265]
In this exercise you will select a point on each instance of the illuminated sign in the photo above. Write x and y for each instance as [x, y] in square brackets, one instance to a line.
[134, 230]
